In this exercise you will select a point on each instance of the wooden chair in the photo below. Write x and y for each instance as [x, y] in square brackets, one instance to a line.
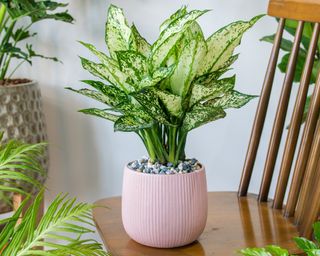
[238, 220]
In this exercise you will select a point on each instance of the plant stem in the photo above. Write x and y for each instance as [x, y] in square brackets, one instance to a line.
[180, 155]
[172, 136]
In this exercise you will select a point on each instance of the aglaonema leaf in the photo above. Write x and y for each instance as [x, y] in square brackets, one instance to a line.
[100, 113]
[232, 99]
[156, 77]
[138, 43]
[173, 103]
[212, 90]
[200, 115]
[130, 124]
[190, 59]
[179, 13]
[151, 104]
[117, 31]
[169, 37]
[110, 73]
[133, 64]
[222, 44]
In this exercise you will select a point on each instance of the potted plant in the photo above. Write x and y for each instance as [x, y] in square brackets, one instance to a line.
[65, 220]
[162, 92]
[286, 47]
[21, 114]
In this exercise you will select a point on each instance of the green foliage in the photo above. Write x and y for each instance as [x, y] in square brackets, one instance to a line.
[17, 161]
[12, 34]
[286, 46]
[309, 247]
[161, 91]
[59, 231]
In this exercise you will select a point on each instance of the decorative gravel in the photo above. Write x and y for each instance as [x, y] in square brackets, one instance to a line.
[146, 166]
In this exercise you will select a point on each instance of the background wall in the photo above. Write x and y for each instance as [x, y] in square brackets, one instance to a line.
[86, 156]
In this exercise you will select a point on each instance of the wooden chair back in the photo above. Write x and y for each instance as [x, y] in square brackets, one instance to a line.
[303, 189]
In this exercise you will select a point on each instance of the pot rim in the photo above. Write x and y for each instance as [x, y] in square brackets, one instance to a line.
[202, 169]
[32, 82]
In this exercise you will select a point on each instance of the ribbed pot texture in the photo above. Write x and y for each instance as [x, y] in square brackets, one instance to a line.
[22, 118]
[164, 211]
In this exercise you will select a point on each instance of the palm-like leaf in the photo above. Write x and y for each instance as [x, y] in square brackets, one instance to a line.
[17, 161]
[59, 231]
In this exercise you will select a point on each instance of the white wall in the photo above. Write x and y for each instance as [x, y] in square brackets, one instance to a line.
[87, 157]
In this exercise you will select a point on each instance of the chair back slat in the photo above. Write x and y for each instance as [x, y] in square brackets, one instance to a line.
[261, 113]
[303, 201]
[307, 10]
[293, 132]
[280, 117]
[310, 174]
[311, 202]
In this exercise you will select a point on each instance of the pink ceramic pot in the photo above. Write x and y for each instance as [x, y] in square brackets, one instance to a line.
[164, 211]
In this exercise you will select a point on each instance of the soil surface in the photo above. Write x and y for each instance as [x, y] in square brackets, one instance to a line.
[8, 82]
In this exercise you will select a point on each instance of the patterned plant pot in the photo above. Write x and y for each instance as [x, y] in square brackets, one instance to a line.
[164, 211]
[22, 118]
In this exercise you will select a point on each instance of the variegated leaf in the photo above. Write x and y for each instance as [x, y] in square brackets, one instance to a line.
[130, 124]
[233, 99]
[201, 115]
[100, 113]
[213, 90]
[94, 95]
[151, 104]
[110, 73]
[129, 108]
[115, 95]
[133, 64]
[172, 102]
[179, 13]
[157, 76]
[138, 43]
[222, 44]
[117, 31]
[169, 37]
[188, 62]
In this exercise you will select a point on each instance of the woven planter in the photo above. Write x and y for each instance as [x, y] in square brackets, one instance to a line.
[22, 118]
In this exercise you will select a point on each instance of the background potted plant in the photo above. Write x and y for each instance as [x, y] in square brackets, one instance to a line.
[60, 231]
[286, 47]
[162, 92]
[21, 114]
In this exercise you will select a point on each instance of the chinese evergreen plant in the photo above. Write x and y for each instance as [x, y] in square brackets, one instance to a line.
[286, 46]
[310, 248]
[164, 90]
[13, 33]
[60, 231]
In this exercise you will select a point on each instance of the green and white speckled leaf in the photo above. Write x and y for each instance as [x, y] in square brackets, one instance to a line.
[188, 62]
[222, 44]
[151, 104]
[157, 76]
[138, 43]
[133, 64]
[201, 115]
[172, 102]
[233, 99]
[94, 95]
[213, 90]
[100, 113]
[107, 72]
[118, 32]
[179, 13]
[169, 37]
[101, 56]
[115, 95]
[130, 124]
[128, 108]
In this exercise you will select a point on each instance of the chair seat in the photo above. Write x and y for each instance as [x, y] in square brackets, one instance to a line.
[233, 223]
